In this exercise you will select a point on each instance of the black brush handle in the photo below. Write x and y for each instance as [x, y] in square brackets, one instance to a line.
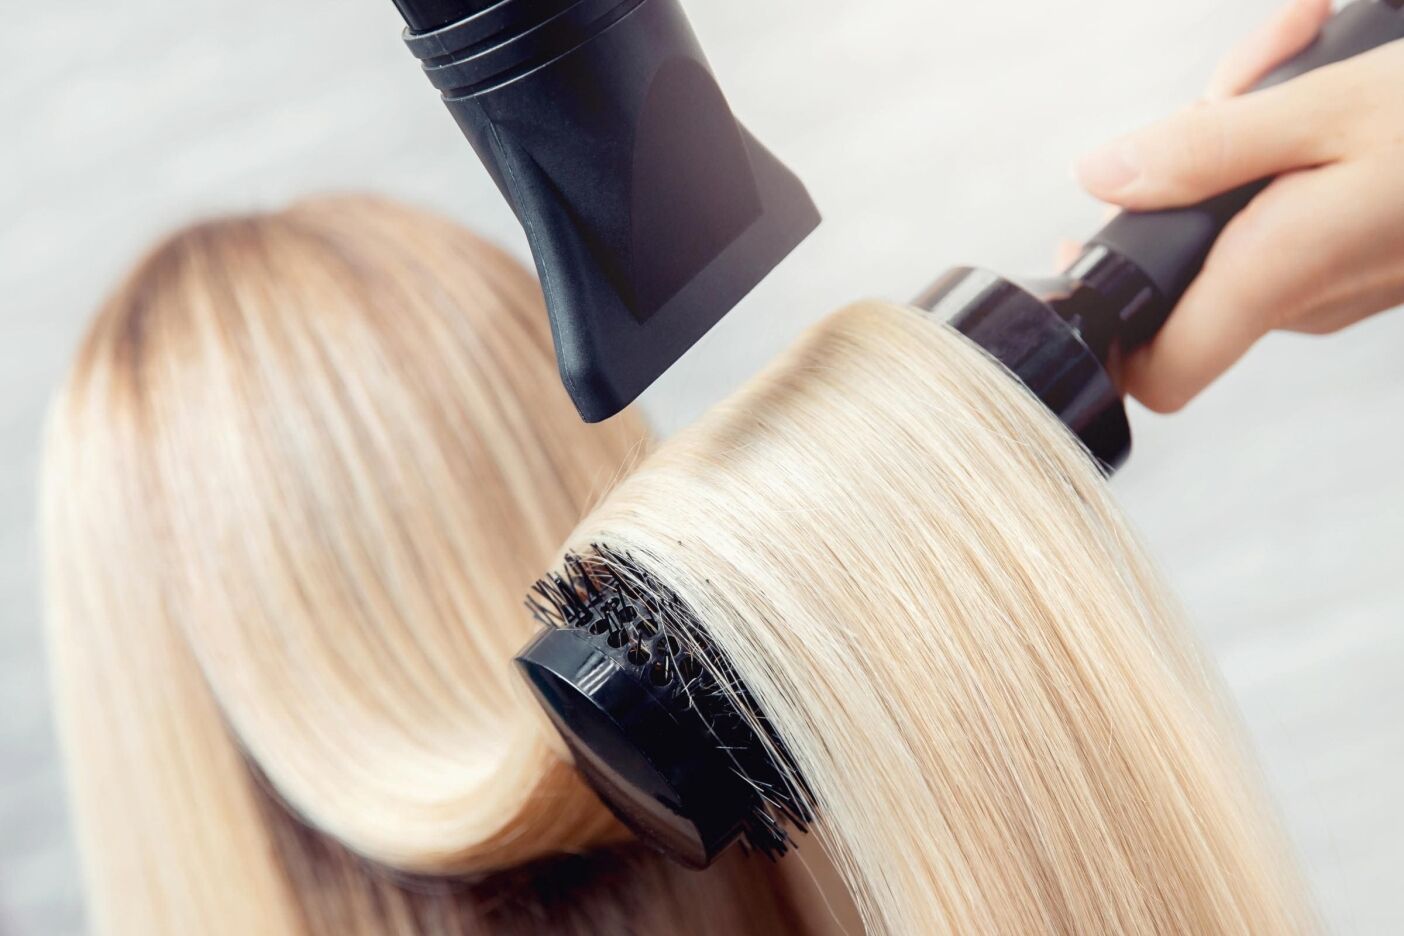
[1170, 246]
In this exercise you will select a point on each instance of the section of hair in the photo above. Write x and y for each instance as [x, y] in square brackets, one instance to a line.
[302, 473]
[620, 891]
[920, 578]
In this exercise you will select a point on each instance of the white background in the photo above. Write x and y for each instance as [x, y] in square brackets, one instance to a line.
[931, 133]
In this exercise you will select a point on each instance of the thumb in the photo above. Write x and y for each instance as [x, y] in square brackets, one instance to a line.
[1216, 323]
[1225, 311]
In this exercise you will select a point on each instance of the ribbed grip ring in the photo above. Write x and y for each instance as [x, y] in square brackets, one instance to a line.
[508, 39]
[498, 23]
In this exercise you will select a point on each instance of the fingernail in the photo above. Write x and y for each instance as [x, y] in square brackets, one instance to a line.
[1109, 169]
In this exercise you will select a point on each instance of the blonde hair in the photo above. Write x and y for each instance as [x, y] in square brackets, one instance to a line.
[300, 477]
[921, 580]
[303, 471]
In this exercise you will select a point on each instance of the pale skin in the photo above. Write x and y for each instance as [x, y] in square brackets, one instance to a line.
[1321, 249]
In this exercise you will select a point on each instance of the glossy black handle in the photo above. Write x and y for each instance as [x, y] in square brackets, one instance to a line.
[1170, 247]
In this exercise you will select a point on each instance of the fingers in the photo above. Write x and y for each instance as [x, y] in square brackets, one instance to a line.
[1244, 291]
[1068, 252]
[1219, 319]
[1289, 31]
[1319, 250]
[1327, 115]
[1207, 150]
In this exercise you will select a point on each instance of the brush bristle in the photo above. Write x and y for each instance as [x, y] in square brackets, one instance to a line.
[650, 630]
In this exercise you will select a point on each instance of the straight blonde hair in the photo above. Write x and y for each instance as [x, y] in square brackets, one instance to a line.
[919, 576]
[304, 468]
[306, 465]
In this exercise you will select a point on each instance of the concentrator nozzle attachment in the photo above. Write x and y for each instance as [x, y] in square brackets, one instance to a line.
[649, 709]
[649, 209]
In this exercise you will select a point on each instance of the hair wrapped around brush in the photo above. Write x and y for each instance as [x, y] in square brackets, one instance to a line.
[971, 674]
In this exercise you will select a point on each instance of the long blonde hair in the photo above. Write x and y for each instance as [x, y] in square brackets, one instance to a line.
[303, 471]
[922, 581]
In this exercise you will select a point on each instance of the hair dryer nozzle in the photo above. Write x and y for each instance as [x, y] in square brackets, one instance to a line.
[649, 209]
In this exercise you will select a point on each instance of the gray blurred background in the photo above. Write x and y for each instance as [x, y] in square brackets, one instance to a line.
[931, 132]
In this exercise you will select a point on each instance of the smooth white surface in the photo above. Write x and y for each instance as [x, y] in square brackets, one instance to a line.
[931, 133]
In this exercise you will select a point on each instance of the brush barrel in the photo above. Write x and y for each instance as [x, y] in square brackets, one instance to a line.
[1170, 247]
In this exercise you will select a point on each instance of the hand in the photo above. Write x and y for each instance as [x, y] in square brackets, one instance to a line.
[1320, 249]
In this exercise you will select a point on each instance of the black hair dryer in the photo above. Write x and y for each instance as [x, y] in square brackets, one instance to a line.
[1058, 335]
[649, 210]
